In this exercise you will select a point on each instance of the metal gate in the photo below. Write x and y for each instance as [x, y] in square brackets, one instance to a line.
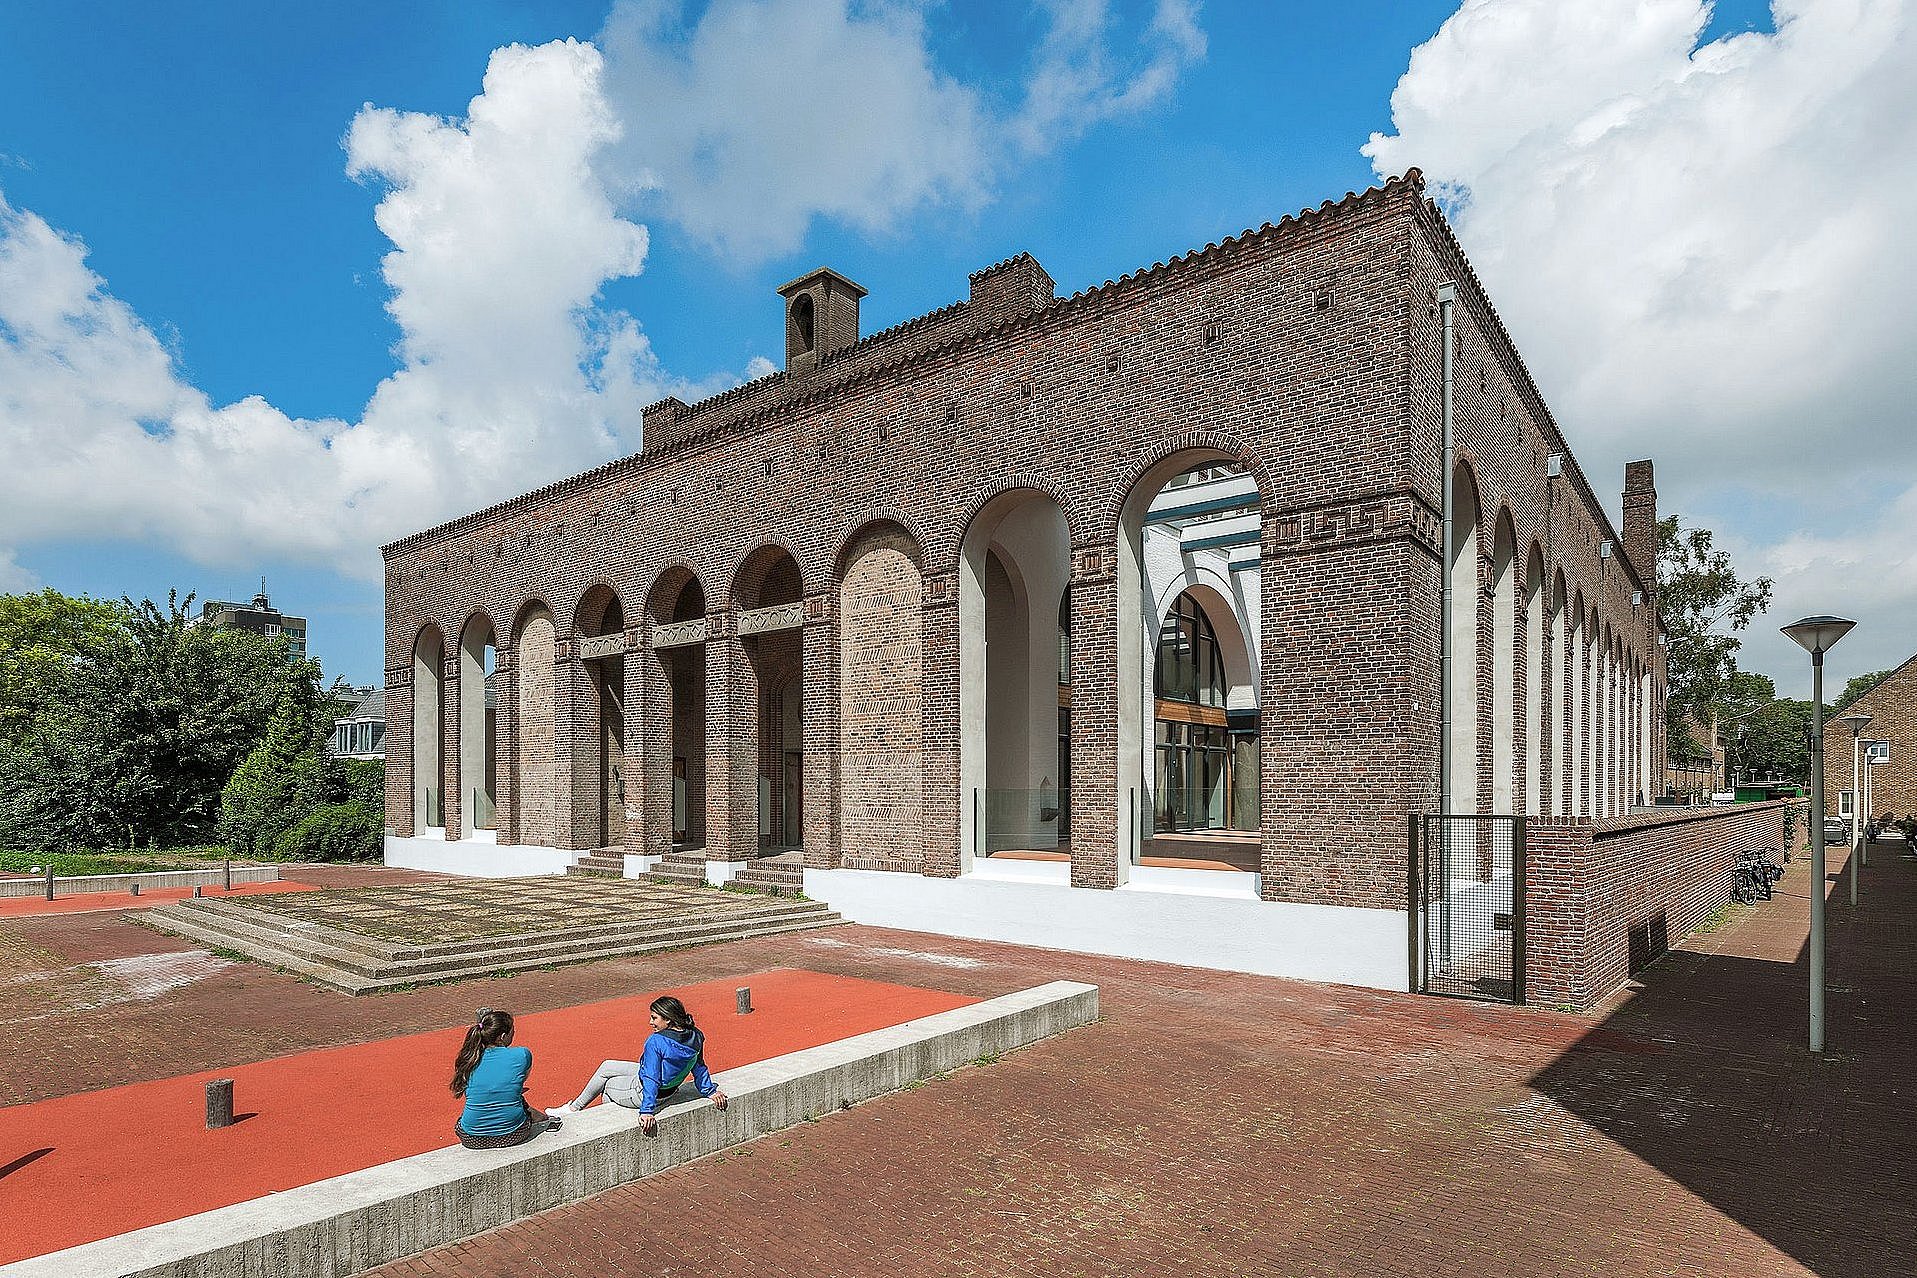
[1467, 906]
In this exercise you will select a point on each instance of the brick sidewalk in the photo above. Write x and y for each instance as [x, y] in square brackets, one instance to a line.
[1238, 1124]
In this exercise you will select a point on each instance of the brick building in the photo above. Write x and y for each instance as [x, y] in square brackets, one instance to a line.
[976, 616]
[1891, 704]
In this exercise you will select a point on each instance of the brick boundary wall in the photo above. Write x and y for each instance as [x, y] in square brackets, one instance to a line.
[1605, 899]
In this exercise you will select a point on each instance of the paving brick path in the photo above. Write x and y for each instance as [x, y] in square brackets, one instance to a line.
[1209, 1121]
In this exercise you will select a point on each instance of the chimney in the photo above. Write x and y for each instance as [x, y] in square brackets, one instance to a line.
[1640, 524]
[821, 318]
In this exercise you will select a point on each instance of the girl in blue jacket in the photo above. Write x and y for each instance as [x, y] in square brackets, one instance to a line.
[674, 1052]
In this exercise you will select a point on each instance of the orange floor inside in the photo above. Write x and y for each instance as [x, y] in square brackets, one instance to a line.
[87, 902]
[79, 1168]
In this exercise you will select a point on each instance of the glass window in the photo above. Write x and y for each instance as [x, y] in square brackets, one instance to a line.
[1189, 667]
[1845, 804]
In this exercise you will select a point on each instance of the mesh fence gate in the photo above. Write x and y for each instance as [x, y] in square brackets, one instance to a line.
[1467, 912]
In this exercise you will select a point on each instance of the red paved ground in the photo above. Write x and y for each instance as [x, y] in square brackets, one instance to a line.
[88, 902]
[1211, 1123]
[141, 1154]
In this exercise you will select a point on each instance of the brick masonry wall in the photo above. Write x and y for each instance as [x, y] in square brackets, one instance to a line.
[1605, 898]
[1307, 351]
[1892, 705]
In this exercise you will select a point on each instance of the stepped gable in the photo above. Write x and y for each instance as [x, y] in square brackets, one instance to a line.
[1008, 303]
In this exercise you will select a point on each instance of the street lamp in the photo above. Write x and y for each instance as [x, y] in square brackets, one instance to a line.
[1856, 721]
[1817, 635]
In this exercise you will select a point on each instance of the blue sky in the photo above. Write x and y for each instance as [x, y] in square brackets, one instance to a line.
[210, 337]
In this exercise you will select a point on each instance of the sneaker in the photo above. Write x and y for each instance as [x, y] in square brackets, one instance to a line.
[561, 1111]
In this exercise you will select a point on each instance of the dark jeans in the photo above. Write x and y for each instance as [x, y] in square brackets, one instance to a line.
[534, 1124]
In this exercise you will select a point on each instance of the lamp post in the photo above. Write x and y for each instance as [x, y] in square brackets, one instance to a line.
[1856, 721]
[1817, 635]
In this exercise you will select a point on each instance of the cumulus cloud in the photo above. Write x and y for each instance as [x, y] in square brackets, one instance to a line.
[505, 226]
[763, 115]
[1700, 249]
[509, 375]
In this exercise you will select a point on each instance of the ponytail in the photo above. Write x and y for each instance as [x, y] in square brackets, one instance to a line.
[489, 1029]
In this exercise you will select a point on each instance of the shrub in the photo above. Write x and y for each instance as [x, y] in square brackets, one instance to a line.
[350, 831]
[282, 779]
[364, 781]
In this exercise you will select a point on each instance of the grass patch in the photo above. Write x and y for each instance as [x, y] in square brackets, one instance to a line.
[1725, 913]
[70, 864]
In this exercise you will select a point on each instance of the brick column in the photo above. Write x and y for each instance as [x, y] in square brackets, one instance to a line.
[732, 792]
[1100, 814]
[1556, 926]
[940, 711]
[399, 750]
[819, 714]
[572, 722]
[452, 780]
[640, 731]
[506, 722]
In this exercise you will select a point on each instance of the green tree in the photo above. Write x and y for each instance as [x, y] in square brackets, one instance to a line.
[44, 638]
[1855, 689]
[1702, 604]
[278, 785]
[146, 720]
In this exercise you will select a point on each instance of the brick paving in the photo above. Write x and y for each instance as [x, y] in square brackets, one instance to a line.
[1208, 1121]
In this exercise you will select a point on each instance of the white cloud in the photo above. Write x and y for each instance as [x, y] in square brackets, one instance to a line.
[1701, 250]
[14, 578]
[763, 115]
[509, 375]
[505, 226]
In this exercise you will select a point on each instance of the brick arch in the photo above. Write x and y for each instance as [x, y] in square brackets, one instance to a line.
[872, 519]
[749, 570]
[667, 587]
[589, 613]
[990, 491]
[1228, 444]
[478, 614]
[524, 613]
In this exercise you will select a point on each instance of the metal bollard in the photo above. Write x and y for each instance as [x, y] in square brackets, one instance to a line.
[219, 1103]
[198, 891]
[49, 882]
[135, 889]
[744, 995]
[229, 874]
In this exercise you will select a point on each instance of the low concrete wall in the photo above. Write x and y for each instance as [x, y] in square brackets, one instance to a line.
[476, 858]
[355, 1222]
[1604, 899]
[81, 884]
[1165, 925]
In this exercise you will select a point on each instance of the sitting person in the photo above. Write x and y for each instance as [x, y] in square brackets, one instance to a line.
[674, 1051]
[491, 1074]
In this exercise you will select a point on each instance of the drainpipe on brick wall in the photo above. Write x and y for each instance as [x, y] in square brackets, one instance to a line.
[1447, 298]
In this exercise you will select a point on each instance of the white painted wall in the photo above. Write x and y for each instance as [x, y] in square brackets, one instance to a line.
[476, 858]
[1309, 942]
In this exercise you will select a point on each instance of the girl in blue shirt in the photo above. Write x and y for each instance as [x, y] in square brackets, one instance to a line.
[491, 1074]
[674, 1052]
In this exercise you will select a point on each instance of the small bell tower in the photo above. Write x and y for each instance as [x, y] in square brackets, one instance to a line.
[821, 317]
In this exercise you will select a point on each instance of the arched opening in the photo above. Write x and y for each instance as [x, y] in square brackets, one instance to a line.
[429, 730]
[770, 595]
[601, 773]
[478, 724]
[1536, 683]
[534, 749]
[1504, 665]
[1190, 781]
[1206, 775]
[1014, 567]
[1461, 632]
[802, 320]
[1578, 682]
[881, 698]
[676, 773]
[1593, 709]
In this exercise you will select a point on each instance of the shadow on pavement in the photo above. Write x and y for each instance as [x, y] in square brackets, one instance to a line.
[1811, 1153]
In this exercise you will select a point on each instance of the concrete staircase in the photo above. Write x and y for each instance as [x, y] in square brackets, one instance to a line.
[679, 869]
[601, 863]
[772, 876]
[360, 964]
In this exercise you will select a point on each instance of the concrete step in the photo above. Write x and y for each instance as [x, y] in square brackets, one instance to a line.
[357, 971]
[353, 981]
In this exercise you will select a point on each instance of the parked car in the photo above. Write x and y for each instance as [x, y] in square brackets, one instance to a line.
[1836, 830]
